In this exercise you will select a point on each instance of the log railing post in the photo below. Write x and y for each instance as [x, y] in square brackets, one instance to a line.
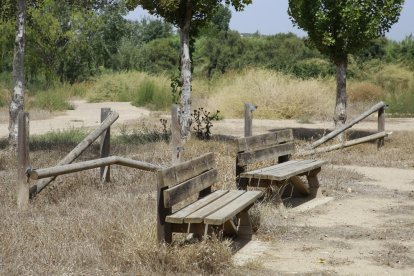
[176, 142]
[105, 146]
[23, 161]
[248, 119]
[381, 126]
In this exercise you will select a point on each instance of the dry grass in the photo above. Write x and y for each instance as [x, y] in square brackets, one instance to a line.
[79, 226]
[278, 96]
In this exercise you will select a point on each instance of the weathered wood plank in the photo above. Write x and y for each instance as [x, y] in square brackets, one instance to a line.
[285, 170]
[271, 152]
[178, 217]
[233, 208]
[199, 215]
[23, 160]
[264, 140]
[187, 188]
[174, 175]
[91, 164]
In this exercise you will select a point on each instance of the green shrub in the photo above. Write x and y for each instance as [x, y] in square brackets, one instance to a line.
[401, 103]
[313, 67]
[52, 100]
[151, 95]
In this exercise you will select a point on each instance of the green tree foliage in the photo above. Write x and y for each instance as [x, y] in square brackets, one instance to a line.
[188, 16]
[340, 28]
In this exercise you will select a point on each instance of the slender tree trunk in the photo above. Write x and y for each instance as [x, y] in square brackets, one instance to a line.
[341, 98]
[185, 101]
[17, 103]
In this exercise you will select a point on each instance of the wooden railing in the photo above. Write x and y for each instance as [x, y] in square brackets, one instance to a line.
[64, 166]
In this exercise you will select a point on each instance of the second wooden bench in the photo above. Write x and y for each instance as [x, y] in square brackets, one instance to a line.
[277, 146]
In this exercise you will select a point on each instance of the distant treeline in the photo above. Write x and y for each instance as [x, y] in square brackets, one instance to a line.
[69, 43]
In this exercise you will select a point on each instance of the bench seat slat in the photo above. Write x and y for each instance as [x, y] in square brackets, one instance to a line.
[199, 215]
[284, 170]
[178, 217]
[233, 208]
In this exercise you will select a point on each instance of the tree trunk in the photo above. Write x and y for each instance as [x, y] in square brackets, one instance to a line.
[17, 103]
[341, 98]
[185, 101]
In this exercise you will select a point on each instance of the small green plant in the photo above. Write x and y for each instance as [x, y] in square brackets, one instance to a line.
[202, 119]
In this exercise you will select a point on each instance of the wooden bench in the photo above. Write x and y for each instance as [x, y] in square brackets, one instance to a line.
[275, 146]
[212, 211]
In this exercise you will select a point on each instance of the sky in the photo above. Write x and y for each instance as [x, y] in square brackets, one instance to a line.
[270, 17]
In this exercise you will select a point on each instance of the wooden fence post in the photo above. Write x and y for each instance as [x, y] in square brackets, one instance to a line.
[381, 126]
[105, 146]
[248, 119]
[176, 142]
[23, 161]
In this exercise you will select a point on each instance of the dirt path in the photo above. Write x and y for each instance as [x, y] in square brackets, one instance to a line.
[88, 115]
[84, 115]
[369, 231]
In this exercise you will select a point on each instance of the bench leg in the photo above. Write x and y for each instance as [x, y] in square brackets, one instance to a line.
[164, 229]
[314, 183]
[244, 228]
[299, 185]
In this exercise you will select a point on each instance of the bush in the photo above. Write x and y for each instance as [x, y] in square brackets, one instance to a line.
[151, 95]
[401, 103]
[52, 100]
[313, 68]
[365, 92]
[138, 88]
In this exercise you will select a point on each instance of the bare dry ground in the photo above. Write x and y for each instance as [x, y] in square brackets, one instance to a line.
[79, 226]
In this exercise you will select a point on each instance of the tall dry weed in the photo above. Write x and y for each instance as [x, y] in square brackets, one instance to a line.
[277, 96]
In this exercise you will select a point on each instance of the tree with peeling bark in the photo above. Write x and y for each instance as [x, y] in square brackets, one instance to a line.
[187, 16]
[17, 102]
[339, 28]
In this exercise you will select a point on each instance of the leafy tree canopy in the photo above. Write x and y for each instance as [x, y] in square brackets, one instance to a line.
[338, 28]
[174, 11]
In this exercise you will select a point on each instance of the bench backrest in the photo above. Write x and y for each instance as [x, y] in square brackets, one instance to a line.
[186, 179]
[265, 147]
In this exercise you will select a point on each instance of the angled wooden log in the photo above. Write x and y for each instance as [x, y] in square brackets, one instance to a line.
[347, 144]
[356, 120]
[81, 147]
